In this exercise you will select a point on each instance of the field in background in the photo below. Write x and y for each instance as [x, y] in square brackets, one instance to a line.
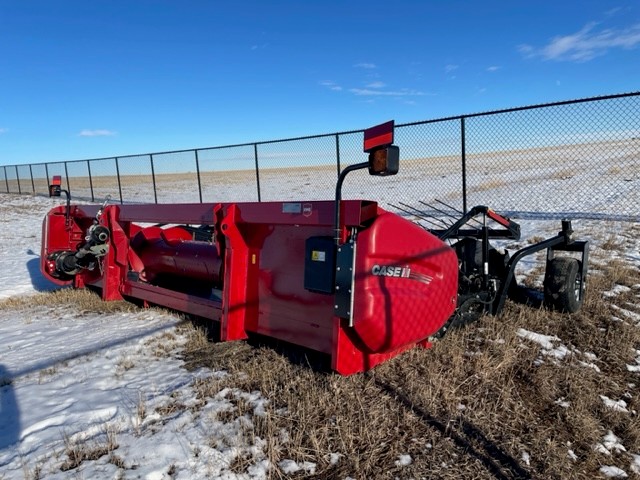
[588, 180]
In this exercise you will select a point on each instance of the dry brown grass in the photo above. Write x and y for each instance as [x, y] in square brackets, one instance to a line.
[78, 450]
[84, 301]
[489, 185]
[482, 403]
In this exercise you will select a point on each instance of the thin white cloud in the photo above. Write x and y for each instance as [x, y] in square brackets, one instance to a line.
[367, 66]
[96, 133]
[493, 68]
[613, 11]
[376, 85]
[369, 92]
[586, 44]
[526, 50]
[331, 85]
[450, 68]
[3, 130]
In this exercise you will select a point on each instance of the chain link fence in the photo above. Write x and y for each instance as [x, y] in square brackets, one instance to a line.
[577, 159]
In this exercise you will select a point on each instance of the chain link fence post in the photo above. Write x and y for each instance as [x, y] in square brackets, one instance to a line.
[198, 176]
[338, 153]
[33, 185]
[118, 176]
[463, 148]
[153, 179]
[93, 198]
[18, 180]
[66, 174]
[255, 154]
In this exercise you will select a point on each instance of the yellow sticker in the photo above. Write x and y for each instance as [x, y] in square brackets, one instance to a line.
[318, 256]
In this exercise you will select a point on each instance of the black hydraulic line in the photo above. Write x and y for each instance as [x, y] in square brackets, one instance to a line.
[70, 263]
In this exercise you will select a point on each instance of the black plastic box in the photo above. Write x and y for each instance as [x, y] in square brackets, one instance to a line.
[320, 264]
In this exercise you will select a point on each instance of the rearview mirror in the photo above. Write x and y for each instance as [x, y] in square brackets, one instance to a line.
[384, 161]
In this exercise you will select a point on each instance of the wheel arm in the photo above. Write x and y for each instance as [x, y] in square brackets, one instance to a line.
[561, 242]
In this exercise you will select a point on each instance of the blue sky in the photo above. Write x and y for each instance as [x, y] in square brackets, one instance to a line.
[94, 79]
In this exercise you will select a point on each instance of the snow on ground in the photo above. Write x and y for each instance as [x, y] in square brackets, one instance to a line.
[20, 238]
[69, 380]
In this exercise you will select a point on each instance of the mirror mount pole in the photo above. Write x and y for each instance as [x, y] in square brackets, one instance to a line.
[341, 177]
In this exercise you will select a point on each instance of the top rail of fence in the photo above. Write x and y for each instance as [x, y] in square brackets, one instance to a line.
[350, 132]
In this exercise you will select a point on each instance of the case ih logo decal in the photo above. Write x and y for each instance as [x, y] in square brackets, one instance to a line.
[387, 271]
[399, 272]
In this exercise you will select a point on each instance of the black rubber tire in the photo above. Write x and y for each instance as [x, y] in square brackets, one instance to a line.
[562, 285]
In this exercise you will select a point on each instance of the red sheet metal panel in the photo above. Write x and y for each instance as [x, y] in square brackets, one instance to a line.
[405, 284]
[405, 278]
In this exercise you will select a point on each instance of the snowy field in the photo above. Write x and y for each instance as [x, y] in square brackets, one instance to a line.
[593, 180]
[70, 379]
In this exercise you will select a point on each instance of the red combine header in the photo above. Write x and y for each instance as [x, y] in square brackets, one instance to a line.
[346, 278]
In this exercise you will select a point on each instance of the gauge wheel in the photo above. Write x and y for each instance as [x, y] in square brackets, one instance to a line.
[562, 285]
